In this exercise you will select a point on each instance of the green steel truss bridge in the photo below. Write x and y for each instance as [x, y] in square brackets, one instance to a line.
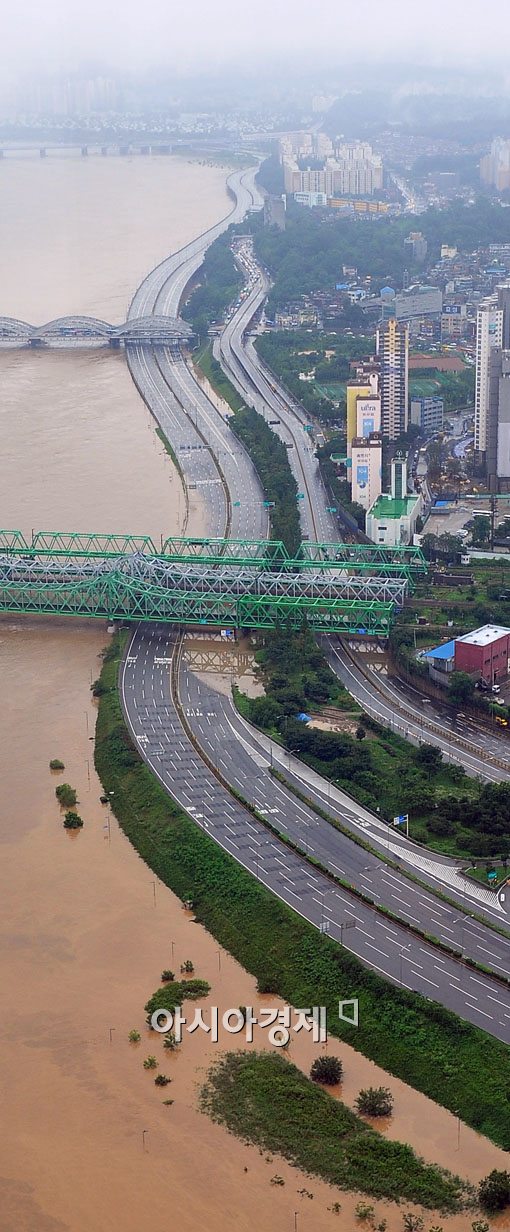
[214, 582]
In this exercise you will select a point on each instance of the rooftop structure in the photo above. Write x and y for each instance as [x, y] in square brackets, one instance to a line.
[485, 635]
[444, 652]
[393, 506]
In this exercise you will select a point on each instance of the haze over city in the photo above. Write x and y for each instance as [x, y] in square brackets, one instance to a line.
[200, 36]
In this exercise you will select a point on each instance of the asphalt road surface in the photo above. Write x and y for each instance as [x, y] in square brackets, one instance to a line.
[232, 497]
[387, 947]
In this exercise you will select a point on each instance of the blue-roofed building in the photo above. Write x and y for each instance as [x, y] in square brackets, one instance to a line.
[441, 661]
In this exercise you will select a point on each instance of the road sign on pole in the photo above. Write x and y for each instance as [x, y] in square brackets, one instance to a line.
[402, 820]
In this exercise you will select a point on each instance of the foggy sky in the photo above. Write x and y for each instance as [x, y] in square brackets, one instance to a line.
[198, 34]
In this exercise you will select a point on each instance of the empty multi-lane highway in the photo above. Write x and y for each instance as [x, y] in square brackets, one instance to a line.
[197, 745]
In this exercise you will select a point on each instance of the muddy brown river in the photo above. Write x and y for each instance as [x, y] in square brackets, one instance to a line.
[86, 929]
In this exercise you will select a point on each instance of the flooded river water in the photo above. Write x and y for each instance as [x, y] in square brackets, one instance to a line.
[87, 1143]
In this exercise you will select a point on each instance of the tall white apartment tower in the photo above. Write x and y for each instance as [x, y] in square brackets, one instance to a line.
[392, 347]
[489, 334]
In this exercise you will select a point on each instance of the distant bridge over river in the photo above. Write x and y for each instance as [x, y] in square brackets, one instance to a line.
[87, 331]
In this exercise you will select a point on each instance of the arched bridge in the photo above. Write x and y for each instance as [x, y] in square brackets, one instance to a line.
[248, 584]
[83, 331]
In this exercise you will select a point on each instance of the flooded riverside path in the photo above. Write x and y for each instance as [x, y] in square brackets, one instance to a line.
[85, 928]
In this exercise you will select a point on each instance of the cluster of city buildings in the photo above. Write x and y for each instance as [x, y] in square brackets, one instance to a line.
[377, 406]
[465, 280]
[317, 172]
[439, 310]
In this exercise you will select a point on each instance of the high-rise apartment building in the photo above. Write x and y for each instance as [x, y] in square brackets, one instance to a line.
[393, 353]
[354, 171]
[498, 421]
[495, 167]
[489, 334]
[427, 414]
[274, 211]
[503, 294]
[417, 245]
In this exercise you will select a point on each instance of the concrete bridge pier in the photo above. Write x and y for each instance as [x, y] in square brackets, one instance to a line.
[84, 151]
[42, 152]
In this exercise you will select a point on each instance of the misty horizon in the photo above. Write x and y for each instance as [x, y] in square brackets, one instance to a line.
[192, 39]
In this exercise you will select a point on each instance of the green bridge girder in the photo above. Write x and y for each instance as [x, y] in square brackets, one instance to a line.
[113, 597]
[251, 584]
[366, 558]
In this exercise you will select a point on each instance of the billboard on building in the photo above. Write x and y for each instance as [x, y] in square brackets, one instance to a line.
[368, 416]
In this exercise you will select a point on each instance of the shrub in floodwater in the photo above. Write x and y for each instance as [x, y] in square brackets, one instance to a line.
[66, 795]
[170, 1042]
[494, 1191]
[187, 967]
[72, 821]
[150, 1063]
[375, 1102]
[167, 976]
[327, 1070]
[162, 1080]
[412, 1223]
[364, 1212]
[134, 1037]
[98, 689]
[56, 764]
